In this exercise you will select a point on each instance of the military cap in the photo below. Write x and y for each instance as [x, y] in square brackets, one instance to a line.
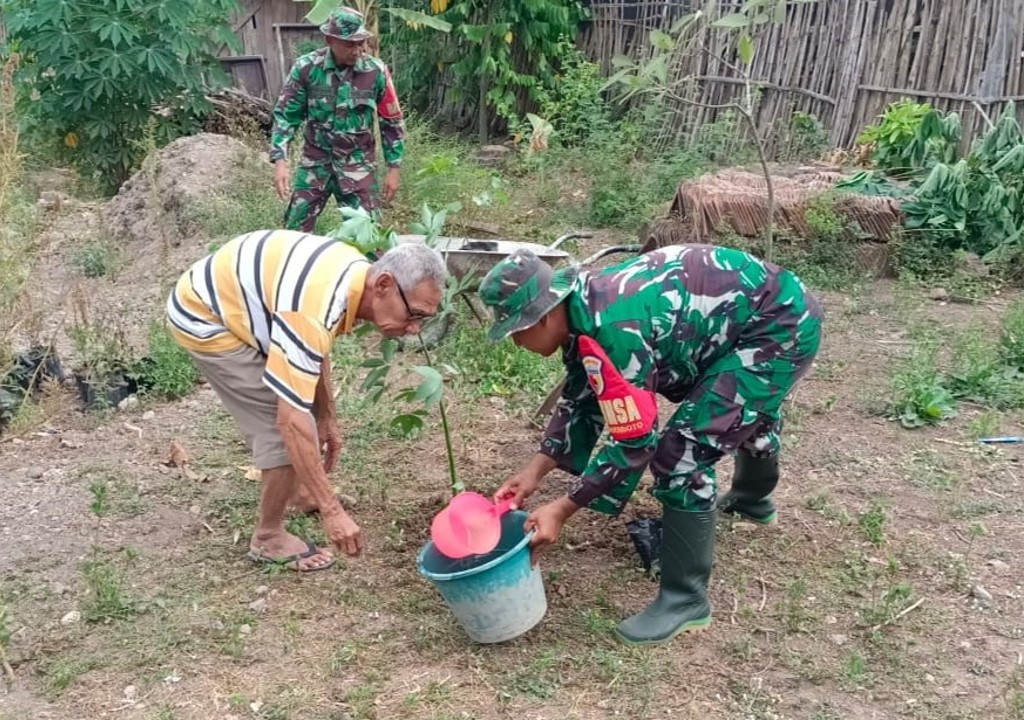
[521, 289]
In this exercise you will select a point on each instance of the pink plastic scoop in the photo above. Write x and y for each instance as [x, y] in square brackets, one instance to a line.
[470, 525]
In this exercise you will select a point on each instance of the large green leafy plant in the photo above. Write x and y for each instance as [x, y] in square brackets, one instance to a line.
[953, 204]
[909, 135]
[98, 75]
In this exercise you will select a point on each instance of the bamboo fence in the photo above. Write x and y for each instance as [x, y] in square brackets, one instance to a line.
[842, 61]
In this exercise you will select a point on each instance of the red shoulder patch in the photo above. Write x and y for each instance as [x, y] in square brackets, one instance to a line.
[630, 412]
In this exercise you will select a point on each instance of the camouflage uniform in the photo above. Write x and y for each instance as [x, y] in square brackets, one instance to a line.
[721, 333]
[338, 105]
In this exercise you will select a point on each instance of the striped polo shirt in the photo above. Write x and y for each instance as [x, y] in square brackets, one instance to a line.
[287, 294]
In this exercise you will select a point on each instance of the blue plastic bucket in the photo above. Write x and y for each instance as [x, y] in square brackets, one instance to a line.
[497, 596]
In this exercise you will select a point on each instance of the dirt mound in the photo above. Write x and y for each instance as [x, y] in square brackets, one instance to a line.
[738, 201]
[157, 202]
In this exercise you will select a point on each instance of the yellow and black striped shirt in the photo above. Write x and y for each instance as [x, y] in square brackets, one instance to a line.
[284, 293]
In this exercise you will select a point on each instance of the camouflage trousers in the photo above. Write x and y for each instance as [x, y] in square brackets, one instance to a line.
[315, 185]
[734, 404]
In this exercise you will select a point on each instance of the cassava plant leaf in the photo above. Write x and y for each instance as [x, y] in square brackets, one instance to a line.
[408, 425]
[431, 390]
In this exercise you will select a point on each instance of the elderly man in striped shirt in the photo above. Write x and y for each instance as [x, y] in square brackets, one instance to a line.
[259, 317]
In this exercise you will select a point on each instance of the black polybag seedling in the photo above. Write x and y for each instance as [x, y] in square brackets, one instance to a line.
[646, 536]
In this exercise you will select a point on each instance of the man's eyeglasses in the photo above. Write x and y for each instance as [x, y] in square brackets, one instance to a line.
[412, 314]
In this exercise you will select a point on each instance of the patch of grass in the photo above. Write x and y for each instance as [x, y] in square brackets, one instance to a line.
[742, 648]
[1013, 694]
[307, 528]
[238, 506]
[822, 502]
[232, 629]
[928, 469]
[61, 672]
[828, 370]
[854, 670]
[979, 373]
[888, 592]
[360, 701]
[968, 508]
[539, 679]
[439, 169]
[826, 258]
[502, 369]
[341, 660]
[796, 614]
[872, 522]
[434, 695]
[167, 371]
[107, 600]
[97, 258]
[1011, 336]
[112, 493]
[249, 204]
[986, 424]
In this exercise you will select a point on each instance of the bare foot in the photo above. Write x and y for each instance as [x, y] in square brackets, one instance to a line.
[282, 545]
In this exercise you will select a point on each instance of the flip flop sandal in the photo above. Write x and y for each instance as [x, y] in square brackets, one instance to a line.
[291, 562]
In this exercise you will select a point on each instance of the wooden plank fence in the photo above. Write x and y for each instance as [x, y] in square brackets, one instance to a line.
[842, 61]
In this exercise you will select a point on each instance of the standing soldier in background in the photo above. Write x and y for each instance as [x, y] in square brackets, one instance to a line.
[336, 90]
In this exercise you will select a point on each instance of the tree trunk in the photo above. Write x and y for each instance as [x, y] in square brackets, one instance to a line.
[483, 118]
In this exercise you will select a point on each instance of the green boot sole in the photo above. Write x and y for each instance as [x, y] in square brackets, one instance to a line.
[766, 516]
[688, 626]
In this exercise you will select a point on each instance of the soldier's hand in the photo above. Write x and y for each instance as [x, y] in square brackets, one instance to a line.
[519, 487]
[546, 522]
[391, 183]
[282, 179]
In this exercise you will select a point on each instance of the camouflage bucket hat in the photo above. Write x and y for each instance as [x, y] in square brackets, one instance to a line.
[521, 289]
[346, 24]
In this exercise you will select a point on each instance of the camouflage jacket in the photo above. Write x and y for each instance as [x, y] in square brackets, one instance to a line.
[338, 105]
[662, 319]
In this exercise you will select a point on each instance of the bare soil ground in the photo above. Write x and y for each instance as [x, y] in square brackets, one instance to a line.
[891, 588]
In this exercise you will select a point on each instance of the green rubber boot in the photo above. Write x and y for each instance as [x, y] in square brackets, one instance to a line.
[687, 550]
[752, 485]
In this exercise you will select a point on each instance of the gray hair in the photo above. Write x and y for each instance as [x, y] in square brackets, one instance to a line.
[412, 263]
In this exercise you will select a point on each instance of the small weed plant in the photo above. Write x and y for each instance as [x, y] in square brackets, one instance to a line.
[96, 259]
[825, 259]
[100, 492]
[1011, 337]
[918, 394]
[107, 600]
[872, 522]
[979, 373]
[981, 370]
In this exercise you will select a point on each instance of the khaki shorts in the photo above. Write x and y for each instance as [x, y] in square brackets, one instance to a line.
[237, 378]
